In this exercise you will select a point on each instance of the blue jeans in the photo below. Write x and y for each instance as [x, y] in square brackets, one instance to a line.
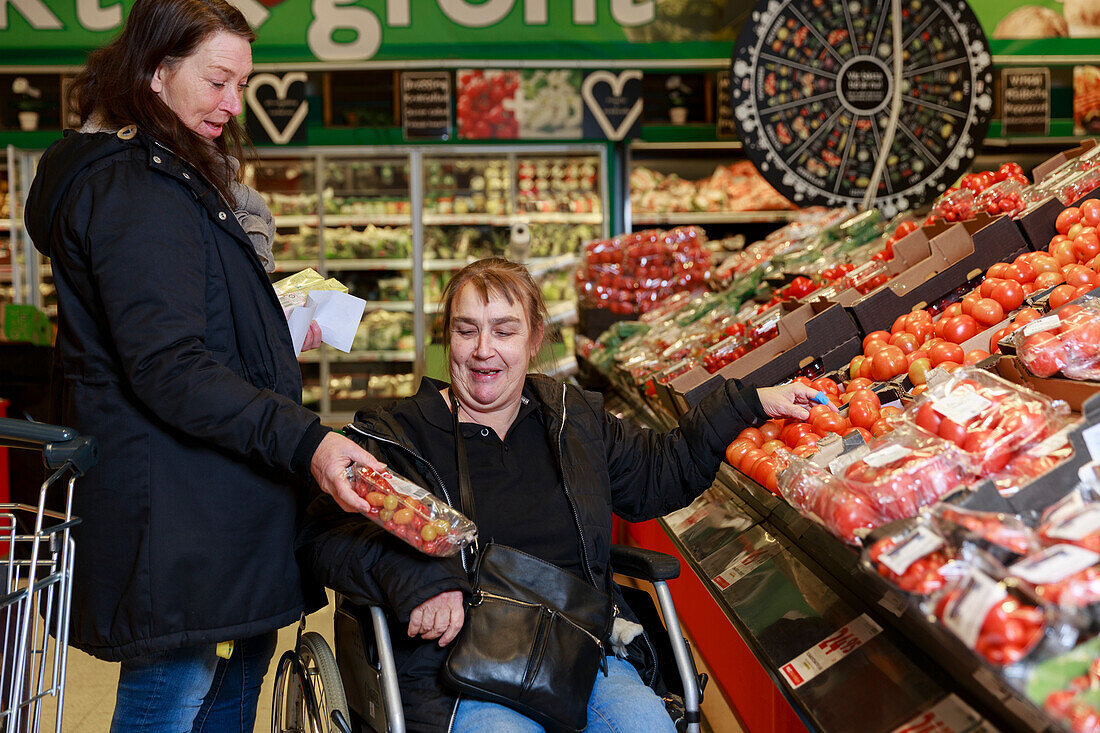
[192, 689]
[620, 703]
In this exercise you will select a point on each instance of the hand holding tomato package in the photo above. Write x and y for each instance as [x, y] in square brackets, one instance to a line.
[991, 419]
[816, 492]
[905, 470]
[911, 554]
[408, 511]
[1067, 341]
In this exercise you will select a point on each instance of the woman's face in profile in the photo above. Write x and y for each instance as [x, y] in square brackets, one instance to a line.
[490, 350]
[205, 88]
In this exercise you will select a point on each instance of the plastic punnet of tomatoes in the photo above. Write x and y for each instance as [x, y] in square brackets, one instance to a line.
[1002, 621]
[1004, 536]
[905, 470]
[991, 419]
[954, 205]
[867, 277]
[911, 554]
[724, 352]
[1067, 341]
[1075, 519]
[1065, 575]
[1006, 197]
[410, 512]
[823, 497]
[1033, 462]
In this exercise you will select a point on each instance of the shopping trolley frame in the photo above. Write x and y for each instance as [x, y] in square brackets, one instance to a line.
[36, 557]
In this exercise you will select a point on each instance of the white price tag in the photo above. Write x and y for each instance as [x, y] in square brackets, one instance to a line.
[1048, 323]
[949, 715]
[840, 464]
[1079, 525]
[1049, 445]
[886, 456]
[962, 405]
[966, 613]
[744, 564]
[1067, 507]
[681, 519]
[831, 650]
[1091, 436]
[1054, 564]
[916, 544]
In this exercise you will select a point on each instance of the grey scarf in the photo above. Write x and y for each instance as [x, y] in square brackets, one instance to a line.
[251, 211]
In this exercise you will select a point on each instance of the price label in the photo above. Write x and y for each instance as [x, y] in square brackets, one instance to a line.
[917, 544]
[887, 455]
[966, 613]
[828, 652]
[949, 715]
[1047, 323]
[1091, 436]
[681, 519]
[1054, 564]
[840, 464]
[1078, 525]
[962, 405]
[744, 564]
[1049, 445]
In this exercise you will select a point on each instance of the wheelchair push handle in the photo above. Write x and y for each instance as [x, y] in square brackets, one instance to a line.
[59, 445]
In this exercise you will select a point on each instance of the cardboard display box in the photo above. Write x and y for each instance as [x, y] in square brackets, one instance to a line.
[930, 263]
[1054, 162]
[1037, 225]
[817, 330]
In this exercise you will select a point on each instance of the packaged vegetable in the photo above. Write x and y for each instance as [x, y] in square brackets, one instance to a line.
[412, 513]
[815, 492]
[1005, 535]
[1075, 520]
[911, 554]
[1065, 575]
[1067, 341]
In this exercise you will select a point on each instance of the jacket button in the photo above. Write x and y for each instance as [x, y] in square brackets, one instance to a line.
[221, 215]
[156, 158]
[187, 176]
[485, 432]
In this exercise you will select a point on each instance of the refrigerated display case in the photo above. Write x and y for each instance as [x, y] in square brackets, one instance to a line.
[393, 224]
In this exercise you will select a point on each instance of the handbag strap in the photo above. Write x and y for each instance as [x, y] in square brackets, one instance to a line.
[466, 496]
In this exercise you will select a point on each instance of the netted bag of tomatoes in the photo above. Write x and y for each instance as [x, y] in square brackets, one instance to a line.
[824, 498]
[911, 554]
[1067, 341]
[991, 419]
[905, 470]
[1001, 620]
[1075, 520]
[1065, 575]
[410, 512]
[1004, 536]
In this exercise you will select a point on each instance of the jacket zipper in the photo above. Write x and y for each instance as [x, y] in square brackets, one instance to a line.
[414, 454]
[454, 714]
[569, 496]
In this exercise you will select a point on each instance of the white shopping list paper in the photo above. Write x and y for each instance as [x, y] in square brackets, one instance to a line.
[338, 314]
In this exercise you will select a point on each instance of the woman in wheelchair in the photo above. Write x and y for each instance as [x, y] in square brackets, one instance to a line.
[547, 466]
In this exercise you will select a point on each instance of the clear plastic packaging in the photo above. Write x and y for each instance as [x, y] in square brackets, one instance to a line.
[867, 277]
[410, 512]
[1032, 463]
[914, 556]
[954, 205]
[989, 418]
[1067, 341]
[1004, 534]
[1068, 687]
[828, 500]
[905, 470]
[1065, 575]
[1075, 520]
[1006, 197]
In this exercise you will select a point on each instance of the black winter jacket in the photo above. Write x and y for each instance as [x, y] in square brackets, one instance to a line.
[172, 350]
[607, 464]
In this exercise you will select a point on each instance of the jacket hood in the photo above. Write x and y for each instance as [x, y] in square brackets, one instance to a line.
[61, 164]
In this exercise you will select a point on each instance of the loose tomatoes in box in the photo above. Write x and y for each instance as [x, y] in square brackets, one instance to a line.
[410, 512]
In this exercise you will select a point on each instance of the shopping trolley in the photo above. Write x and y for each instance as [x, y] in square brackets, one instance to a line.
[36, 556]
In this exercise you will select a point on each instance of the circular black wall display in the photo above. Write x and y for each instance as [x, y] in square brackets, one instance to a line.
[812, 85]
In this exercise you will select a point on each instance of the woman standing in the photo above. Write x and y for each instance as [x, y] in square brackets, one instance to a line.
[547, 468]
[172, 350]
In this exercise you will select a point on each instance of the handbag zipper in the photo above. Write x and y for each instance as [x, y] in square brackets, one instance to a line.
[414, 454]
[481, 594]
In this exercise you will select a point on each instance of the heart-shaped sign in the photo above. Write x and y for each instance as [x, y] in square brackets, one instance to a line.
[279, 107]
[614, 112]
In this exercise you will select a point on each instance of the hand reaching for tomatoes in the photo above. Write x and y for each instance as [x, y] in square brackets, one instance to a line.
[440, 617]
[789, 400]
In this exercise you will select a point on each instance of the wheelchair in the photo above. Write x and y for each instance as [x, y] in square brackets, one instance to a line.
[355, 690]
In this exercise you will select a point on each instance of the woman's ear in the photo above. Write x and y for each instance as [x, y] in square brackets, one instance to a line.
[157, 82]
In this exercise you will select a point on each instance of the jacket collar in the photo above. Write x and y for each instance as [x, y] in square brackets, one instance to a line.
[434, 410]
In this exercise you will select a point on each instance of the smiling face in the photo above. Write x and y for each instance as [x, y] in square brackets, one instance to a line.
[205, 88]
[491, 346]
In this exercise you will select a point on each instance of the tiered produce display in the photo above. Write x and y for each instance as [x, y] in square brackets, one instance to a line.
[957, 356]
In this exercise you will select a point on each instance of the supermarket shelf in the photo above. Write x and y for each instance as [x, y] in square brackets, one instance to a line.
[354, 357]
[294, 265]
[344, 220]
[563, 313]
[405, 306]
[505, 220]
[536, 265]
[375, 264]
[714, 217]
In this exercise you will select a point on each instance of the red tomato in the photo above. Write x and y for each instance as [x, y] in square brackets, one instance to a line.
[1069, 216]
[939, 353]
[996, 338]
[1049, 279]
[857, 384]
[866, 395]
[1090, 212]
[918, 371]
[808, 439]
[867, 437]
[905, 341]
[973, 357]
[829, 423]
[883, 336]
[817, 411]
[881, 427]
[1043, 353]
[951, 430]
[770, 429]
[988, 311]
[986, 288]
[997, 270]
[1063, 253]
[804, 451]
[922, 330]
[863, 414]
[1086, 245]
[1061, 295]
[752, 435]
[854, 367]
[1009, 294]
[1080, 333]
[793, 433]
[771, 446]
[960, 328]
[928, 419]
[968, 302]
[955, 309]
[1024, 317]
[1043, 262]
[1079, 276]
[1021, 271]
[824, 384]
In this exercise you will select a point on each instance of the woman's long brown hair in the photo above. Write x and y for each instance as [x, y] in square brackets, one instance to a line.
[115, 82]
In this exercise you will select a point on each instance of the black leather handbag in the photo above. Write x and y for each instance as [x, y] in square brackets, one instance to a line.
[533, 638]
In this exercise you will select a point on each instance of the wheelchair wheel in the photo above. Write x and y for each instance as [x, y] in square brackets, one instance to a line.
[308, 689]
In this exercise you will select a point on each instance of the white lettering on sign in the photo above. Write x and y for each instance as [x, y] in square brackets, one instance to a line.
[838, 645]
[95, 17]
[397, 14]
[950, 715]
[330, 16]
[633, 12]
[35, 11]
[476, 15]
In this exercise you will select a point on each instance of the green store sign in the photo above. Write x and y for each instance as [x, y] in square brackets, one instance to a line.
[447, 32]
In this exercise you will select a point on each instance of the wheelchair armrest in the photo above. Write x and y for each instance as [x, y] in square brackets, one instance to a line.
[643, 564]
